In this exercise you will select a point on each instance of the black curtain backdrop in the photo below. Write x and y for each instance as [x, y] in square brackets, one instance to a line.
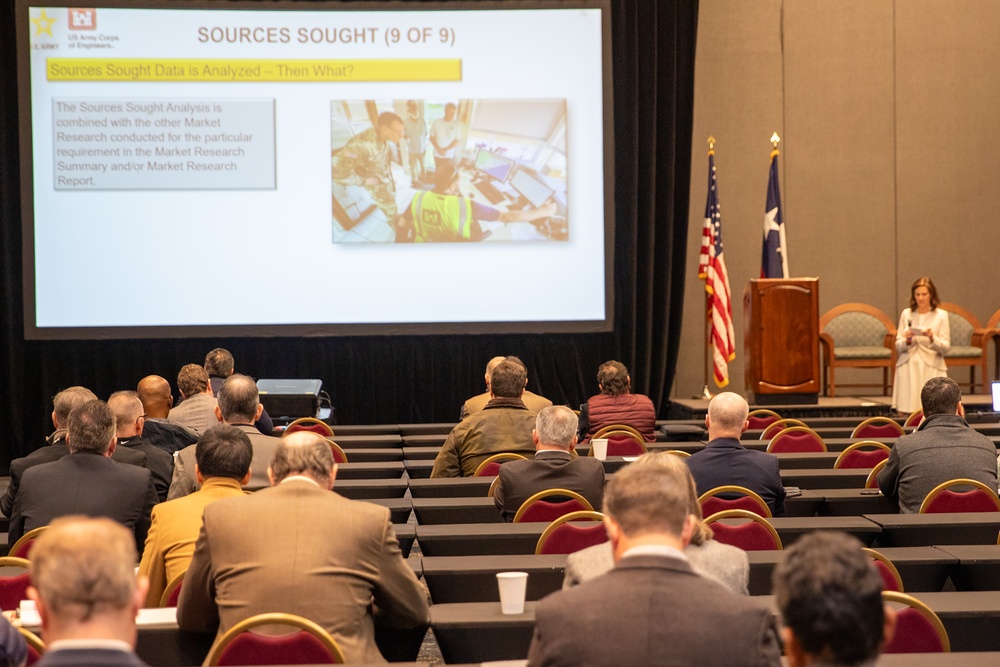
[406, 379]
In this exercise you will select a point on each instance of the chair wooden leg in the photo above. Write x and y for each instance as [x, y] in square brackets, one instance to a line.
[833, 382]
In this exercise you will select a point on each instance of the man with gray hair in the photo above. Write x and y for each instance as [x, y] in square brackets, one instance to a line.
[554, 465]
[87, 594]
[725, 461]
[63, 404]
[310, 552]
[652, 608]
[239, 406]
[85, 482]
[942, 448]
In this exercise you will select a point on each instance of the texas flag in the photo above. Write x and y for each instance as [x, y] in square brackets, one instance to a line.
[774, 256]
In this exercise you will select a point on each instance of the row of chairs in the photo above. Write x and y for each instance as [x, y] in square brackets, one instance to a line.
[770, 423]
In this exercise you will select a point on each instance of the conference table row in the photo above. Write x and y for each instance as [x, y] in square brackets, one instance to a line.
[477, 632]
[796, 470]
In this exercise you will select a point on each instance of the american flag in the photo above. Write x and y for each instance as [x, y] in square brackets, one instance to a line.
[774, 255]
[712, 267]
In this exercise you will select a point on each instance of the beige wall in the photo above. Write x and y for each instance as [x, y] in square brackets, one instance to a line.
[887, 112]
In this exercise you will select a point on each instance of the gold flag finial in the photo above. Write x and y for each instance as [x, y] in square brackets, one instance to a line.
[711, 142]
[775, 139]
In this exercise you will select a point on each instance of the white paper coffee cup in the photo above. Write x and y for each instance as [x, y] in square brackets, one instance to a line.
[513, 586]
[600, 447]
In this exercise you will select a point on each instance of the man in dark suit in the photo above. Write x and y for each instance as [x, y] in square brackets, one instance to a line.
[299, 548]
[725, 461]
[830, 597]
[64, 402]
[87, 594]
[129, 420]
[85, 482]
[239, 406]
[652, 608]
[553, 466]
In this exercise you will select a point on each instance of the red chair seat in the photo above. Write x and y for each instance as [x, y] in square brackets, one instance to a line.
[297, 648]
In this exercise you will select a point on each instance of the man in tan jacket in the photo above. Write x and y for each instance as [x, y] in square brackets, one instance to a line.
[301, 549]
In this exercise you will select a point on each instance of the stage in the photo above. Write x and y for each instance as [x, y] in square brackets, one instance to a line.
[978, 408]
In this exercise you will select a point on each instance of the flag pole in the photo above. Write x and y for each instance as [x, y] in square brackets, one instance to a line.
[705, 392]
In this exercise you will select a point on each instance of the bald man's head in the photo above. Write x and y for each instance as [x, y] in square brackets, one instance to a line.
[154, 392]
[727, 416]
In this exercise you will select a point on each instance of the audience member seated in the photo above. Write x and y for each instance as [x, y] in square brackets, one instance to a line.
[239, 406]
[85, 482]
[534, 402]
[652, 604]
[219, 365]
[127, 409]
[942, 448]
[196, 411]
[310, 552]
[154, 393]
[554, 466]
[64, 403]
[617, 405]
[725, 461]
[830, 598]
[87, 594]
[504, 425]
[223, 466]
[719, 562]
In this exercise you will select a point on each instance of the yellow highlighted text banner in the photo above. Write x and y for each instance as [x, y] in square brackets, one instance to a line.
[169, 69]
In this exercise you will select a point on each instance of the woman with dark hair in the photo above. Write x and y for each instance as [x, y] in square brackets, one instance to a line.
[922, 339]
[617, 405]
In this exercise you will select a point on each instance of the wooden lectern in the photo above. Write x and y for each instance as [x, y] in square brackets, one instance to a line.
[780, 340]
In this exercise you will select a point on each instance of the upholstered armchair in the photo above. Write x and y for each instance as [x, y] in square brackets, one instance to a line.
[856, 335]
[969, 342]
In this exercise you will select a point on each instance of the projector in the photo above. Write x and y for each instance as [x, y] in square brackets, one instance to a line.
[290, 398]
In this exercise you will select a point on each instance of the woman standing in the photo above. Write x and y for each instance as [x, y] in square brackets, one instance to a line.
[922, 339]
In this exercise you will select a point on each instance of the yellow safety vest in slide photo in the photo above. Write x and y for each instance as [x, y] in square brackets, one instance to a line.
[439, 217]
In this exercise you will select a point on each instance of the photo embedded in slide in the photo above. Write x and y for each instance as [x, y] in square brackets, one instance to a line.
[443, 171]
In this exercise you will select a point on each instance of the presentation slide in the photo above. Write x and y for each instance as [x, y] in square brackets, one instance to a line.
[279, 170]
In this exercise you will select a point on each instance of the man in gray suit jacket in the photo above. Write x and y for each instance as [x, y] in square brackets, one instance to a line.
[942, 448]
[299, 548]
[651, 609]
[239, 406]
[554, 466]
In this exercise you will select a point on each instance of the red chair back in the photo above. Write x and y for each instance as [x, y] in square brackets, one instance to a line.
[23, 549]
[796, 439]
[915, 633]
[877, 431]
[749, 536]
[33, 656]
[753, 534]
[889, 582]
[13, 589]
[948, 501]
[868, 455]
[715, 504]
[761, 421]
[319, 429]
[547, 511]
[623, 445]
[564, 537]
[297, 648]
[491, 469]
